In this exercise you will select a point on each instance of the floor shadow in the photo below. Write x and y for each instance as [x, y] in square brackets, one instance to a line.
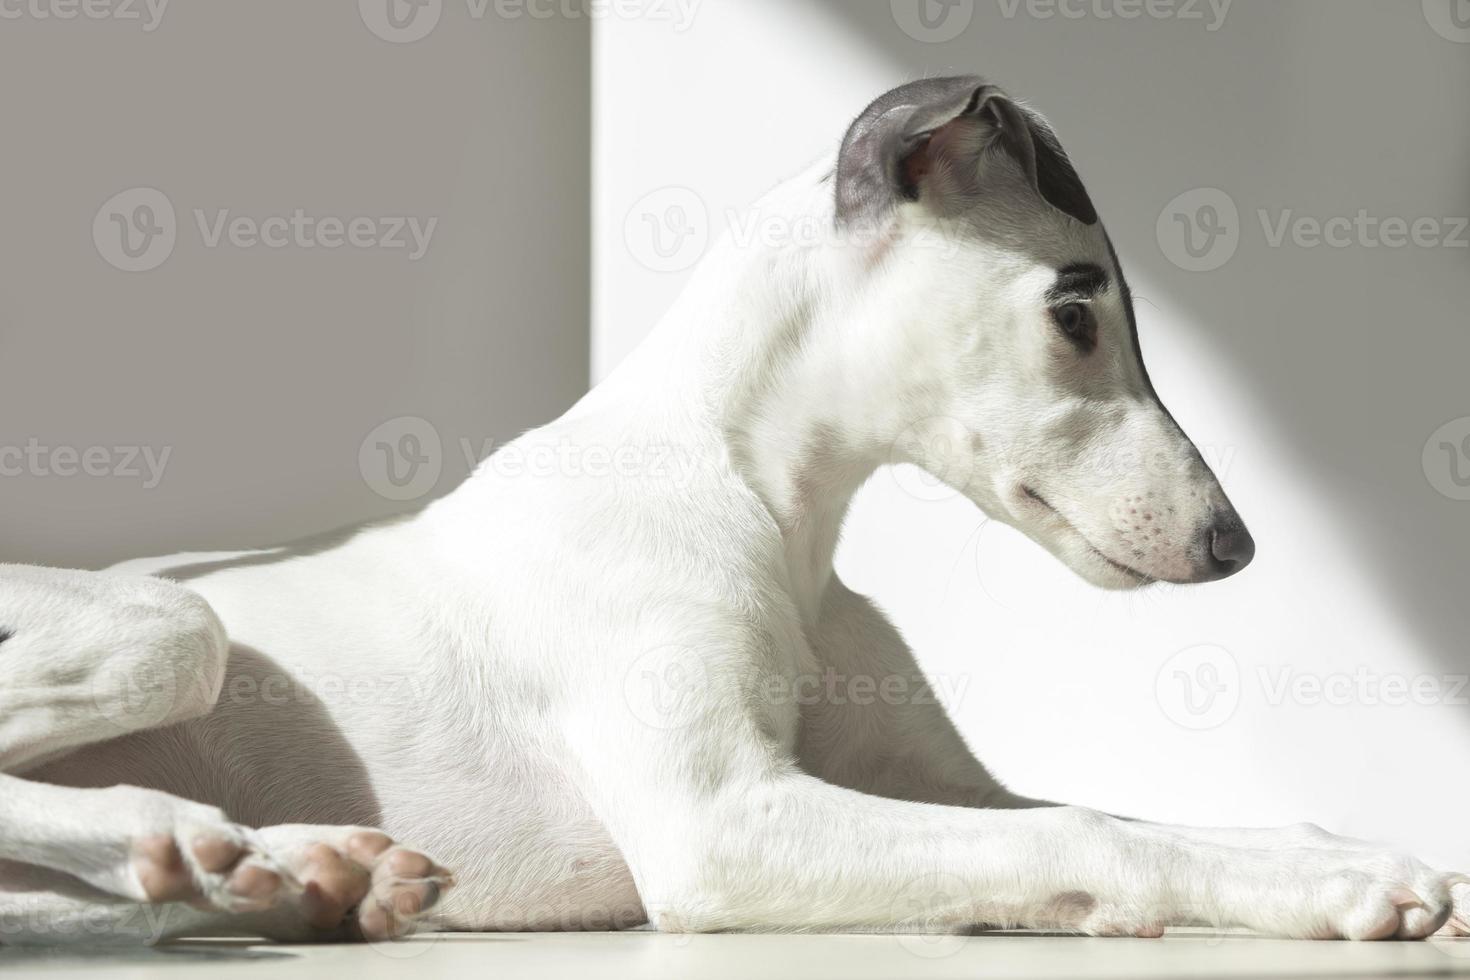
[1356, 354]
[167, 955]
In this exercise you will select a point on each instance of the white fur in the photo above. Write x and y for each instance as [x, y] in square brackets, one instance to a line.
[580, 689]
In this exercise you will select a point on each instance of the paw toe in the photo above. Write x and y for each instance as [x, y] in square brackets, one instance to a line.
[395, 908]
[160, 869]
[333, 884]
[377, 923]
[408, 901]
[403, 863]
[216, 854]
[1455, 927]
[255, 884]
[365, 846]
[1378, 919]
[1418, 923]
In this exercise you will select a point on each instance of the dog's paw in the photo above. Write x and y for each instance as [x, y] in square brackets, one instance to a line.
[310, 881]
[1360, 896]
[178, 851]
[212, 867]
[1458, 923]
[355, 882]
[1381, 909]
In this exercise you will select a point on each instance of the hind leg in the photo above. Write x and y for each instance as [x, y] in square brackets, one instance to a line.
[76, 865]
[86, 657]
[137, 844]
[350, 884]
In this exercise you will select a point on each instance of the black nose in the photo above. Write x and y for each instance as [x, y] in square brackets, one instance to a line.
[1231, 546]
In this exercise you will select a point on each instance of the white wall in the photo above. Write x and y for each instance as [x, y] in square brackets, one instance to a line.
[1310, 376]
[262, 370]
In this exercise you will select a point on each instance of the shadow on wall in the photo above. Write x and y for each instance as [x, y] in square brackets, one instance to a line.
[1355, 351]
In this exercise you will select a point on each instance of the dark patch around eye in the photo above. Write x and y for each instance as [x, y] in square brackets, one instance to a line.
[5, 634]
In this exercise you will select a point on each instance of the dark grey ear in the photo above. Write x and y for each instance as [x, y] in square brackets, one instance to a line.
[1056, 178]
[925, 140]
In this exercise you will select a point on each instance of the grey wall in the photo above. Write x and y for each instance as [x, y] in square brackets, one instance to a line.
[260, 369]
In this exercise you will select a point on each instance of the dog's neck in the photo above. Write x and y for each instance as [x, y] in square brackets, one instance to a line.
[764, 347]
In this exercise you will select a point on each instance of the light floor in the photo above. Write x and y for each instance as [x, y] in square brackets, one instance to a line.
[592, 956]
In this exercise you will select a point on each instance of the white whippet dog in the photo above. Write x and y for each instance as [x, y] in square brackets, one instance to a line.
[587, 690]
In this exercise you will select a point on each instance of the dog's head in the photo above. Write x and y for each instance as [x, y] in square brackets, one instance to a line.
[1022, 383]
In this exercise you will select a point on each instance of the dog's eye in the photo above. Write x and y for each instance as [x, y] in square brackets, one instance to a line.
[1075, 320]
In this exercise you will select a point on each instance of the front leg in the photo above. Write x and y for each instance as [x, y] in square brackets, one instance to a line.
[901, 744]
[907, 748]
